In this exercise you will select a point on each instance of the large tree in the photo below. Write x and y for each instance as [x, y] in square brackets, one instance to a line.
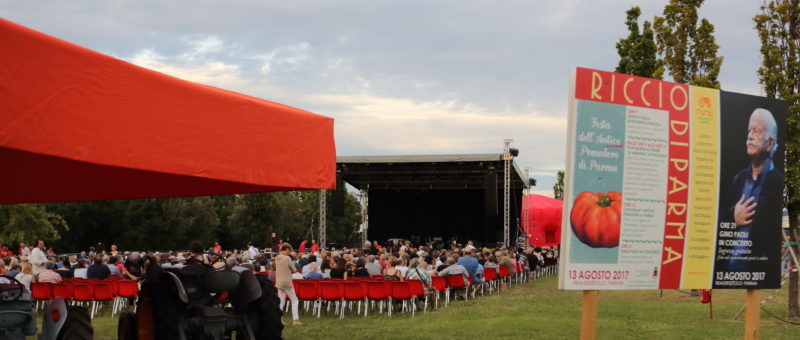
[778, 26]
[638, 54]
[689, 50]
[28, 222]
[558, 188]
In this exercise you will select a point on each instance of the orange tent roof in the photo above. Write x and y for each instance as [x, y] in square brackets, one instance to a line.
[76, 124]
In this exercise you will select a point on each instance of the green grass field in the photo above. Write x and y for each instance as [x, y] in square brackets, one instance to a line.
[537, 309]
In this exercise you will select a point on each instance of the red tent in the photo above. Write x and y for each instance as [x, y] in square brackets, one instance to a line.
[543, 222]
[76, 124]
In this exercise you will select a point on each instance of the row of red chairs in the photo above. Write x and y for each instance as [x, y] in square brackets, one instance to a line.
[343, 291]
[87, 290]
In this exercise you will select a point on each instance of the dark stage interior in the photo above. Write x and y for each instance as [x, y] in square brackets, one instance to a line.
[435, 196]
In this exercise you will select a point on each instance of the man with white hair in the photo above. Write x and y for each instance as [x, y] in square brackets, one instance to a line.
[754, 201]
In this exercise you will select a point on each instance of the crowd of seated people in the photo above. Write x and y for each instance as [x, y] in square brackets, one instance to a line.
[402, 261]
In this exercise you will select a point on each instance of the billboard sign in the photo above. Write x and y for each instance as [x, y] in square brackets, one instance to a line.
[670, 186]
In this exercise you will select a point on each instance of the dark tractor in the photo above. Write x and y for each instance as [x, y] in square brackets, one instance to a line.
[193, 301]
[18, 316]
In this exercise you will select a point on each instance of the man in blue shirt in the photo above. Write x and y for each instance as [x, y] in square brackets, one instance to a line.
[754, 203]
[468, 261]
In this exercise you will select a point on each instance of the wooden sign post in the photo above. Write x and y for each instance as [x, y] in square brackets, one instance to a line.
[752, 315]
[589, 315]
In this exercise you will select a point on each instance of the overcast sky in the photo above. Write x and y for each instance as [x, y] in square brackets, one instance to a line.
[399, 77]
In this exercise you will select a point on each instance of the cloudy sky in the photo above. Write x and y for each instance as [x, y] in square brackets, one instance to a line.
[399, 77]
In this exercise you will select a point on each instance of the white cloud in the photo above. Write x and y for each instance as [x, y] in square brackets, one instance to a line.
[213, 73]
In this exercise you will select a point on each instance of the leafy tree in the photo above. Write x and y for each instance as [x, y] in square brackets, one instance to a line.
[778, 26]
[91, 222]
[167, 223]
[689, 50]
[638, 54]
[28, 222]
[558, 188]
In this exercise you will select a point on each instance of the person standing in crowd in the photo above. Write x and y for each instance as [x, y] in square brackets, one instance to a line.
[217, 248]
[252, 250]
[23, 249]
[469, 245]
[284, 268]
[38, 259]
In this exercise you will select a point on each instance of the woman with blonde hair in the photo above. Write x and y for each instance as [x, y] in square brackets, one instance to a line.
[391, 272]
[26, 275]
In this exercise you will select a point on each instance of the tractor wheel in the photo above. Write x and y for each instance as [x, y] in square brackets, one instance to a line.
[264, 314]
[126, 328]
[78, 325]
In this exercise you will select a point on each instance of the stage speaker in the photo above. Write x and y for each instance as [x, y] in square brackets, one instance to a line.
[490, 195]
[337, 204]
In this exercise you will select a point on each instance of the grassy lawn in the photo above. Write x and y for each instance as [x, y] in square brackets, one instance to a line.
[538, 309]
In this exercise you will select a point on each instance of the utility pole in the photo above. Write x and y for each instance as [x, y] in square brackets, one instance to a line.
[364, 215]
[506, 190]
[323, 219]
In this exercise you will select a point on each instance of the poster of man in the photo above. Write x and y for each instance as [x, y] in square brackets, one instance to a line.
[751, 192]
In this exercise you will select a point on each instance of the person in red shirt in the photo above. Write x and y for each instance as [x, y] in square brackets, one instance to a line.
[314, 246]
[302, 247]
[217, 247]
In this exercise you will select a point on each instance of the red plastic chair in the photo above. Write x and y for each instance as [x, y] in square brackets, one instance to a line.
[439, 284]
[83, 292]
[504, 274]
[41, 292]
[307, 290]
[103, 291]
[354, 292]
[456, 282]
[62, 290]
[490, 277]
[418, 289]
[376, 291]
[401, 291]
[126, 289]
[332, 291]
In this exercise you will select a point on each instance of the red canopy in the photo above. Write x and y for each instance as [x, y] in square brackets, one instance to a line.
[79, 125]
[544, 219]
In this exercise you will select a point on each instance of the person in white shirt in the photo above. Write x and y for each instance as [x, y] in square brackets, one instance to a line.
[80, 269]
[308, 268]
[26, 275]
[252, 249]
[470, 246]
[38, 259]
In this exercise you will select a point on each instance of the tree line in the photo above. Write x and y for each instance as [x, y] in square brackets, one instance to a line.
[169, 223]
